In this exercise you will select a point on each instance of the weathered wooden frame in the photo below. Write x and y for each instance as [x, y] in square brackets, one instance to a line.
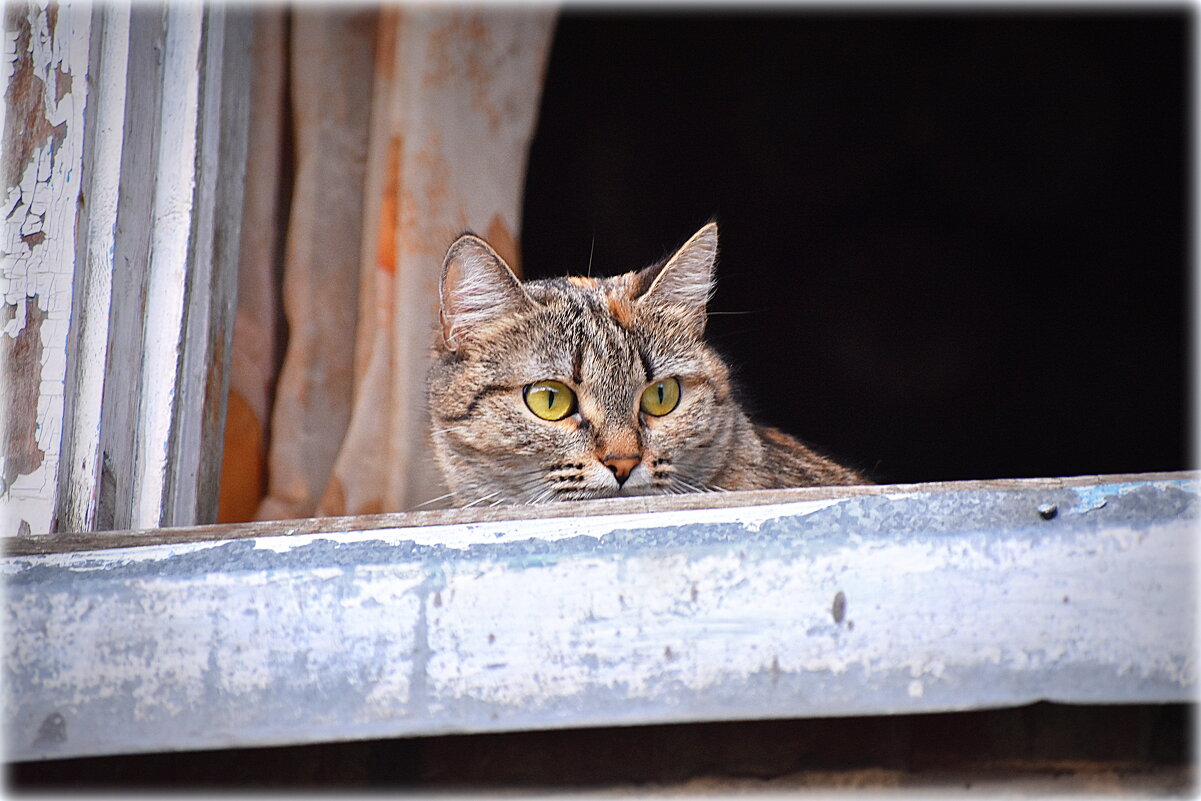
[790, 603]
[139, 249]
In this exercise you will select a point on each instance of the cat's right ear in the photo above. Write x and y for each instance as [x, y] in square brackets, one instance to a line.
[684, 282]
[477, 288]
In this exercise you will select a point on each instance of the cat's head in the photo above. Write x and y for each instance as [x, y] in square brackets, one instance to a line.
[574, 388]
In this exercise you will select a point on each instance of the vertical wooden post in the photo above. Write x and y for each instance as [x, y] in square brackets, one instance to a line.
[131, 250]
[194, 465]
[87, 348]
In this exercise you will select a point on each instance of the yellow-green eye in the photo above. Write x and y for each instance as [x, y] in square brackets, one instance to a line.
[550, 400]
[661, 397]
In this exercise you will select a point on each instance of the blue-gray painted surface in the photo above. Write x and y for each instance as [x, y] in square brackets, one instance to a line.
[875, 604]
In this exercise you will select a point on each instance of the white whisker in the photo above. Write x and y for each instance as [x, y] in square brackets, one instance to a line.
[481, 500]
[434, 500]
[444, 430]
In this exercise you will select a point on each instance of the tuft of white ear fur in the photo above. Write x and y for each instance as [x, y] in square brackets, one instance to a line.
[686, 279]
[477, 287]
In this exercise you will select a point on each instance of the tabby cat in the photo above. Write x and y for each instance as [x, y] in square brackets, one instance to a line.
[574, 388]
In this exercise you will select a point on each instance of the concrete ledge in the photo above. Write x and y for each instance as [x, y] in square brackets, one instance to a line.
[888, 600]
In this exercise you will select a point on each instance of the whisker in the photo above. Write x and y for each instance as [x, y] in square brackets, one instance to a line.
[434, 500]
[481, 500]
[444, 430]
[684, 483]
[542, 496]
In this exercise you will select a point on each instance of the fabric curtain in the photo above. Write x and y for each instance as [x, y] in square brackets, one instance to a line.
[377, 136]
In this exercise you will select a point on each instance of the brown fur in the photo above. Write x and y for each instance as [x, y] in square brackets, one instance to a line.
[607, 339]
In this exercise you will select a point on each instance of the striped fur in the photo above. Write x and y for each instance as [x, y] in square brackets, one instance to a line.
[607, 339]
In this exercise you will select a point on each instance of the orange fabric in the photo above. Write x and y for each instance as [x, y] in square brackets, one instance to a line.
[243, 471]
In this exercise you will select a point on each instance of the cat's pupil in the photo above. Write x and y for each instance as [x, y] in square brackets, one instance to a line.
[661, 393]
[550, 397]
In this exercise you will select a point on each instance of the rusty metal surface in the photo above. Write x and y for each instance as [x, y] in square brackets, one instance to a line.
[955, 598]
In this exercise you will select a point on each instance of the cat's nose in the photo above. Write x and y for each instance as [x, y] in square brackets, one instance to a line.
[621, 466]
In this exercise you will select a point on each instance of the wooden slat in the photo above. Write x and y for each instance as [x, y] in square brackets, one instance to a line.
[87, 347]
[867, 601]
[120, 432]
[91, 541]
[223, 117]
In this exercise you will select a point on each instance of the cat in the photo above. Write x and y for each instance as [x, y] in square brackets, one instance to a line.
[575, 388]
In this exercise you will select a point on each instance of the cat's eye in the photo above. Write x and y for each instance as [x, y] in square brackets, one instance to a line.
[550, 400]
[661, 397]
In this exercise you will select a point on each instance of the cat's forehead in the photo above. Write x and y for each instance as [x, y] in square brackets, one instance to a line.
[588, 328]
[577, 320]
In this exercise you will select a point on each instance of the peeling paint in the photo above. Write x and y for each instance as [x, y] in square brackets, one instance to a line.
[958, 600]
[27, 126]
[44, 99]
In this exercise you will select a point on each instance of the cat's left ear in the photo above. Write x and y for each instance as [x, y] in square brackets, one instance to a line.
[685, 281]
[477, 288]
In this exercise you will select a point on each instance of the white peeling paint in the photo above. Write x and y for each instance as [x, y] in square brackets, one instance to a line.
[42, 208]
[171, 227]
[622, 616]
[79, 479]
[359, 634]
[457, 536]
[465, 535]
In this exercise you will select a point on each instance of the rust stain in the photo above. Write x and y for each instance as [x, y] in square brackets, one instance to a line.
[24, 360]
[34, 239]
[462, 51]
[385, 245]
[333, 502]
[440, 58]
[437, 172]
[504, 243]
[26, 129]
[424, 193]
[385, 43]
[243, 464]
[481, 66]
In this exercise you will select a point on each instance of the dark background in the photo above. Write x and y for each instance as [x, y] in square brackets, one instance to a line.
[957, 243]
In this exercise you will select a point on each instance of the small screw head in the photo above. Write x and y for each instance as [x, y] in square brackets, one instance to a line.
[1047, 511]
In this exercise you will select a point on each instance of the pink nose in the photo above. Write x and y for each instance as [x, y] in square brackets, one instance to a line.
[621, 466]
